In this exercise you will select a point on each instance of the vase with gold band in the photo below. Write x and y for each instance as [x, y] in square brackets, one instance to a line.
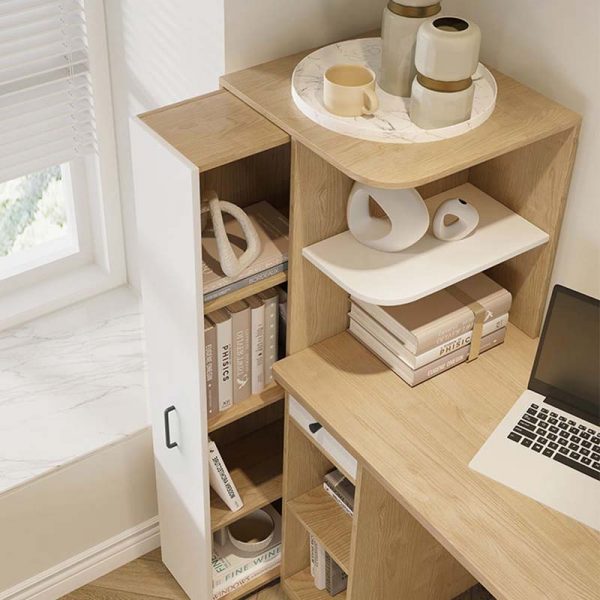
[446, 58]
[401, 21]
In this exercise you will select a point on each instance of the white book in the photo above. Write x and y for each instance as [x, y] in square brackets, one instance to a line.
[415, 361]
[271, 301]
[222, 321]
[257, 337]
[317, 563]
[220, 479]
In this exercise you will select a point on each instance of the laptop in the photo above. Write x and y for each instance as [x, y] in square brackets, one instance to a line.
[548, 445]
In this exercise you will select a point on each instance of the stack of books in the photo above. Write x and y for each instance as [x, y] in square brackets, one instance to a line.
[272, 228]
[241, 345]
[232, 568]
[327, 574]
[425, 338]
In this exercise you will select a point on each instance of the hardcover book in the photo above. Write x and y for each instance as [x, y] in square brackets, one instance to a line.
[257, 341]
[240, 336]
[317, 563]
[210, 342]
[443, 316]
[221, 319]
[271, 301]
[272, 228]
[415, 376]
[335, 578]
[220, 479]
[341, 489]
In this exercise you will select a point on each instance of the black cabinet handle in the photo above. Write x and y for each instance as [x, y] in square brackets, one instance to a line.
[168, 441]
[314, 427]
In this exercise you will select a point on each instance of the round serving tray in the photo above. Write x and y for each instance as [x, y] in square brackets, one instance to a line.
[391, 122]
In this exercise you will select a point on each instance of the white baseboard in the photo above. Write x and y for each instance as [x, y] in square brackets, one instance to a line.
[87, 566]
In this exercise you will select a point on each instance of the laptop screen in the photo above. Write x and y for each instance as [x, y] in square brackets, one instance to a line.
[567, 364]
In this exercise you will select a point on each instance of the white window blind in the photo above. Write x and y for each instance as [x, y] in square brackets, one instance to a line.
[46, 103]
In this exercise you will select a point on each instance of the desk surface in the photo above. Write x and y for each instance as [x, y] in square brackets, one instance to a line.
[418, 443]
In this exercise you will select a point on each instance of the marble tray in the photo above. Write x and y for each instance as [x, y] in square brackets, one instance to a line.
[391, 122]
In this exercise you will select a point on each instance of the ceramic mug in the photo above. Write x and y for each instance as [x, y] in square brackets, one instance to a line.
[349, 91]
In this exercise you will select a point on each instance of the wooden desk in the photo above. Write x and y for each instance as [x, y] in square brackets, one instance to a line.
[417, 443]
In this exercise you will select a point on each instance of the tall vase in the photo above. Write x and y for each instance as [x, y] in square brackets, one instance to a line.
[401, 22]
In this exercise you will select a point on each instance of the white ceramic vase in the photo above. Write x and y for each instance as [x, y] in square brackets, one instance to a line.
[400, 24]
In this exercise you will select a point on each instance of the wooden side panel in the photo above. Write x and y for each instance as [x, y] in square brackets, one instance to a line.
[169, 244]
[317, 308]
[393, 556]
[533, 182]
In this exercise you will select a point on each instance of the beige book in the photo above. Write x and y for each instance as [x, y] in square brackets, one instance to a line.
[271, 300]
[272, 228]
[221, 319]
[257, 343]
[240, 335]
[210, 368]
[443, 316]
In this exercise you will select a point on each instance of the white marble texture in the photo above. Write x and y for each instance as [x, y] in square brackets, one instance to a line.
[391, 122]
[70, 383]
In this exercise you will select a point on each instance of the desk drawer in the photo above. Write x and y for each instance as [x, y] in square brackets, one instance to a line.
[331, 447]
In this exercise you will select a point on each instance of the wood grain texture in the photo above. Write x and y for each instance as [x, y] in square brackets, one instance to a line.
[418, 442]
[522, 117]
[214, 129]
[393, 556]
[300, 586]
[324, 518]
[317, 308]
[533, 182]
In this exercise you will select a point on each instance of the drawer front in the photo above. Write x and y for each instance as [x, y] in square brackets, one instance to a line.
[322, 438]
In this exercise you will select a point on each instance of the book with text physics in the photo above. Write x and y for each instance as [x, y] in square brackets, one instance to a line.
[271, 301]
[222, 322]
[240, 344]
[257, 341]
[220, 479]
[415, 361]
[210, 370]
[272, 228]
[442, 316]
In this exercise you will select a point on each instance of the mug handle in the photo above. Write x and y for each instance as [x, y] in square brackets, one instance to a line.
[371, 102]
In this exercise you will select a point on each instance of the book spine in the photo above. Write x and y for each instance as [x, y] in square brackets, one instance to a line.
[431, 337]
[224, 365]
[210, 342]
[258, 349]
[317, 563]
[240, 335]
[336, 579]
[345, 507]
[271, 336]
[212, 293]
[221, 481]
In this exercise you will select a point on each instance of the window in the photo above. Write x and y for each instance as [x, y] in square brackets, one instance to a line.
[60, 230]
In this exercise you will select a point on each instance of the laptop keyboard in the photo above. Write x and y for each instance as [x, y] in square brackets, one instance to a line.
[559, 438]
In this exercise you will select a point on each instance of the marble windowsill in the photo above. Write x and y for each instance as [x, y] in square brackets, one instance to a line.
[70, 383]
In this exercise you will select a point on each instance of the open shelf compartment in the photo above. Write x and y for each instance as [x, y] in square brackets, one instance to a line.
[301, 586]
[391, 278]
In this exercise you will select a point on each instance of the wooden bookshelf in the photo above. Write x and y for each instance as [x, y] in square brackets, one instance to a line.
[255, 465]
[271, 394]
[245, 292]
[253, 584]
[322, 516]
[301, 586]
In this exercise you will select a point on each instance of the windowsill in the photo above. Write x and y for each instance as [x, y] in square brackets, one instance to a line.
[70, 383]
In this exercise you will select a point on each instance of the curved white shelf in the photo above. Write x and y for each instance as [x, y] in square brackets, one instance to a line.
[431, 264]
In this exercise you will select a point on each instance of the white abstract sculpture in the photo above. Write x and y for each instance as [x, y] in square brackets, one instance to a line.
[466, 220]
[230, 263]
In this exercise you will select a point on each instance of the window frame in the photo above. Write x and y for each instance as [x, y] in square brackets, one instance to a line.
[98, 262]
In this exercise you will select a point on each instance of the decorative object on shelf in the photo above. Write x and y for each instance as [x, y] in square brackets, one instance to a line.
[230, 263]
[466, 219]
[252, 533]
[391, 123]
[446, 58]
[349, 90]
[406, 223]
[401, 21]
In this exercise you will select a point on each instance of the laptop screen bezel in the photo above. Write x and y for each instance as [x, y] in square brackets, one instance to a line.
[566, 401]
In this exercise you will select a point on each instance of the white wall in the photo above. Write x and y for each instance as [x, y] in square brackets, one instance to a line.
[553, 46]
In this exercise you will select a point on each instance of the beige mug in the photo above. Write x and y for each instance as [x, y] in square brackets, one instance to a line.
[349, 91]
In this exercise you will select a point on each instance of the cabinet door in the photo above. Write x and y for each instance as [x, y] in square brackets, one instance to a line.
[168, 214]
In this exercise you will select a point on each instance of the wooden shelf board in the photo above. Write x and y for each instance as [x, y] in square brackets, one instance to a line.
[214, 129]
[321, 515]
[301, 586]
[253, 584]
[271, 394]
[390, 278]
[255, 464]
[522, 117]
[245, 292]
